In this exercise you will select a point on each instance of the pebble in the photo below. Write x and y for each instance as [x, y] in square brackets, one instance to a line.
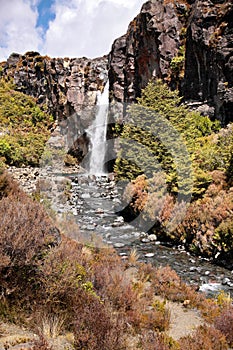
[152, 238]
[149, 255]
[193, 268]
[119, 245]
[192, 261]
[99, 211]
[75, 212]
[85, 195]
[117, 224]
[226, 281]
[136, 234]
[119, 219]
[145, 240]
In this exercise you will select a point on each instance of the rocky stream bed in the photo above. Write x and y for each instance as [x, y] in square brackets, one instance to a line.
[92, 203]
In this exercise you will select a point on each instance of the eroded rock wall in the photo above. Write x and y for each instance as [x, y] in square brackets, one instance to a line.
[68, 87]
[146, 51]
[209, 58]
[153, 42]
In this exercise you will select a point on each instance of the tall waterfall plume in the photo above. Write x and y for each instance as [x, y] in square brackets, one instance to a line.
[97, 133]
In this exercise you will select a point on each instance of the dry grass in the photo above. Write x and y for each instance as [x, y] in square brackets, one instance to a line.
[50, 326]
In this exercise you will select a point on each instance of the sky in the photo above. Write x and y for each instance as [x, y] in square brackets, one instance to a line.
[64, 28]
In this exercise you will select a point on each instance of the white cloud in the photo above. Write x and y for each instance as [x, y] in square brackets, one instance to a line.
[88, 27]
[80, 27]
[18, 32]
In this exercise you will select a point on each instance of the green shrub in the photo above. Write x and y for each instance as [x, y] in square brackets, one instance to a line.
[24, 127]
[158, 130]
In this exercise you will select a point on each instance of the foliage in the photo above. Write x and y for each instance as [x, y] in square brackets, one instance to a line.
[207, 227]
[88, 291]
[96, 328]
[158, 130]
[24, 127]
[152, 157]
[178, 61]
[224, 323]
[155, 340]
[205, 338]
[7, 185]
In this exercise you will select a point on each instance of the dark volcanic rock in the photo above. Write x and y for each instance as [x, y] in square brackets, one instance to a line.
[152, 40]
[68, 87]
[209, 57]
[152, 45]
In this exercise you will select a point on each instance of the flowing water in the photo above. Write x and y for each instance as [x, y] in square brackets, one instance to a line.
[97, 133]
[94, 200]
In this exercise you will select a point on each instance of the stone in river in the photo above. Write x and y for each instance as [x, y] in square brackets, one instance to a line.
[99, 211]
[226, 281]
[119, 245]
[145, 240]
[149, 255]
[152, 237]
[85, 195]
[117, 224]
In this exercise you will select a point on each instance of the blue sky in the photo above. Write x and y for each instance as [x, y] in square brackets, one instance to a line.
[59, 28]
[45, 14]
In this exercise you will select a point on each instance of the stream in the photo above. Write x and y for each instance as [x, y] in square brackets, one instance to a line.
[93, 202]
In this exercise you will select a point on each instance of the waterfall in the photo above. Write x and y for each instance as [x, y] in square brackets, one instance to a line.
[97, 133]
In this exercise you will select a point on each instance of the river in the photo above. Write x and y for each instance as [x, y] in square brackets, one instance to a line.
[93, 202]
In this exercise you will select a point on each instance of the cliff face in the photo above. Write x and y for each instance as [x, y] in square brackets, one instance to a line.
[209, 58]
[186, 43]
[68, 87]
[151, 42]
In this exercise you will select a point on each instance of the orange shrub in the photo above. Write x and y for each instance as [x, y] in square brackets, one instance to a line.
[204, 338]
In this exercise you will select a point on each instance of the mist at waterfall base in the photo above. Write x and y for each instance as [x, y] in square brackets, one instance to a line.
[97, 133]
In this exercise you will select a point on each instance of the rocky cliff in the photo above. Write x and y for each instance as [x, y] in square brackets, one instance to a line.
[186, 43]
[68, 87]
[209, 58]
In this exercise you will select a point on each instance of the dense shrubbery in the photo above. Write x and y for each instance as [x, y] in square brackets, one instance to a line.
[151, 158]
[224, 323]
[155, 137]
[24, 127]
[205, 338]
[53, 284]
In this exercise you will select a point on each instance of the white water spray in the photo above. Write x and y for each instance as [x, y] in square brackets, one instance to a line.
[97, 132]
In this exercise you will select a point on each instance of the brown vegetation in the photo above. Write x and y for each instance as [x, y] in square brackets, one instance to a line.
[55, 285]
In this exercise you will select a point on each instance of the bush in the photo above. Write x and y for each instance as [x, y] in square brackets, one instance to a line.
[24, 127]
[63, 279]
[154, 137]
[25, 231]
[26, 235]
[204, 338]
[158, 341]
[224, 323]
[8, 186]
[97, 328]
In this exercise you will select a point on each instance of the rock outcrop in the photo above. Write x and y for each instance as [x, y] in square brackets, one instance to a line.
[67, 87]
[209, 58]
[153, 39]
[186, 43]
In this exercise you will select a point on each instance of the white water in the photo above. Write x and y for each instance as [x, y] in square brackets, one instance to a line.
[97, 132]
